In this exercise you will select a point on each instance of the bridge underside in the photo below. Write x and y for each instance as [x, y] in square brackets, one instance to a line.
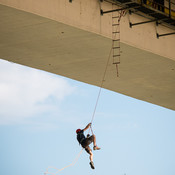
[51, 46]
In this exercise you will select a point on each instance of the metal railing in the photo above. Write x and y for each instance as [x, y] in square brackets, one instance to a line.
[165, 6]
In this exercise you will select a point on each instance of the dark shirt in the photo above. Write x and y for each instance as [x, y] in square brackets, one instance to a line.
[80, 136]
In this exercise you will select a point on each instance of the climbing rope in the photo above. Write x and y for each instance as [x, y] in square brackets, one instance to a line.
[93, 115]
[77, 157]
[58, 170]
[122, 14]
[99, 93]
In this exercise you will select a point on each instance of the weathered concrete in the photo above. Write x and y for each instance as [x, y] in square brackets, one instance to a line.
[85, 14]
[80, 50]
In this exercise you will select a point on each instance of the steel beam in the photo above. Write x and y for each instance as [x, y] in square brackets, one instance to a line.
[115, 10]
[165, 34]
[134, 24]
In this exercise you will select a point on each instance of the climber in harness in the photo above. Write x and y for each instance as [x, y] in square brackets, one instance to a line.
[86, 141]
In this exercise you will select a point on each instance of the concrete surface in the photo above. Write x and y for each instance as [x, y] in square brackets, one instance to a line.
[73, 52]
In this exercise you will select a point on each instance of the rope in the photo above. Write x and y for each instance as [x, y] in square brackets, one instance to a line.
[77, 157]
[99, 93]
[58, 170]
[122, 14]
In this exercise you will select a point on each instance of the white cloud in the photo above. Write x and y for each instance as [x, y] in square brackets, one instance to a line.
[27, 92]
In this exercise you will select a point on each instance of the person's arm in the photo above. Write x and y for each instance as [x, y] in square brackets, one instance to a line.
[87, 127]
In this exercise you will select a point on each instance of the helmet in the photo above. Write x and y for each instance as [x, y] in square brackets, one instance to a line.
[78, 130]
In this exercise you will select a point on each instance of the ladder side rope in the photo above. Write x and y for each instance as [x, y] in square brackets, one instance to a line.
[116, 17]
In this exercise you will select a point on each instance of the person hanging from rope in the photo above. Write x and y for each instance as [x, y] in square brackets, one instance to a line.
[86, 141]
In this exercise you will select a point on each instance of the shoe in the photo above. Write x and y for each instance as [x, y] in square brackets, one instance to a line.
[92, 165]
[96, 148]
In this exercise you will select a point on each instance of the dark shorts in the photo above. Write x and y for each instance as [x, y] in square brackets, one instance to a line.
[86, 142]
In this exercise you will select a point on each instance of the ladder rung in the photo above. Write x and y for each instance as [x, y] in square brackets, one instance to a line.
[115, 17]
[115, 47]
[116, 40]
[116, 55]
[116, 63]
[115, 32]
[115, 24]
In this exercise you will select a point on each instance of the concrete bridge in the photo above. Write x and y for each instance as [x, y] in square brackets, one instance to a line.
[74, 40]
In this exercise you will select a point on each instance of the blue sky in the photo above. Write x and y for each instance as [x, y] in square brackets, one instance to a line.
[39, 113]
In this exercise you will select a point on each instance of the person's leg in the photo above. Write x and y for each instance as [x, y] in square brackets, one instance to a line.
[91, 156]
[94, 142]
[91, 160]
[89, 140]
[89, 151]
